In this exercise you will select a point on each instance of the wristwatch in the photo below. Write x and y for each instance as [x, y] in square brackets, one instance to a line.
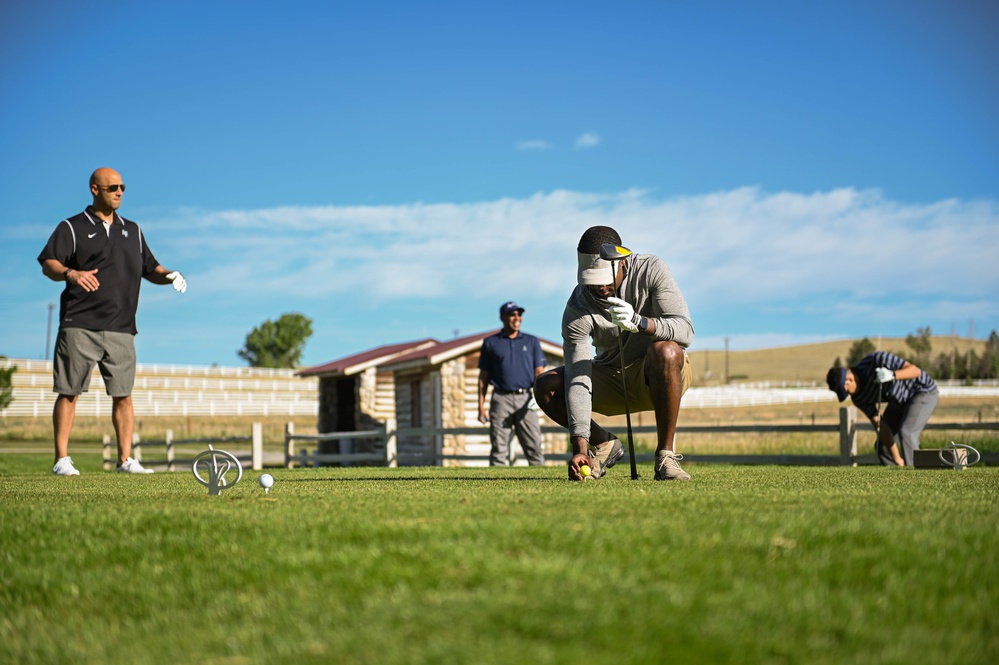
[643, 324]
[65, 275]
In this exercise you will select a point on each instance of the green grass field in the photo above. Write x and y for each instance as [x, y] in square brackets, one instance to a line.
[463, 565]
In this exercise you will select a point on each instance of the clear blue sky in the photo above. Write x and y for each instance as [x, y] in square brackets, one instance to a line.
[397, 170]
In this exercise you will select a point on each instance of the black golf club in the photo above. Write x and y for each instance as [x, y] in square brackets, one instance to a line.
[877, 430]
[614, 253]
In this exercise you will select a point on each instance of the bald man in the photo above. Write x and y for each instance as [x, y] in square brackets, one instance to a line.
[102, 258]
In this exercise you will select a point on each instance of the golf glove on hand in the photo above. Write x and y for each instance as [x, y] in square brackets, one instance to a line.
[624, 315]
[884, 375]
[179, 283]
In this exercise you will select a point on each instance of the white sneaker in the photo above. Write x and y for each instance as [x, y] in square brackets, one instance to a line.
[132, 466]
[64, 467]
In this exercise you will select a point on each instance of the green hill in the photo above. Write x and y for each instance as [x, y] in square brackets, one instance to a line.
[807, 362]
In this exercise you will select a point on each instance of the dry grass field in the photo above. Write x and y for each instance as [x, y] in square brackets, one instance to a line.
[950, 410]
[807, 362]
[88, 432]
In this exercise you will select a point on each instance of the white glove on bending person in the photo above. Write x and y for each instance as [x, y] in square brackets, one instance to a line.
[624, 315]
[884, 375]
[179, 283]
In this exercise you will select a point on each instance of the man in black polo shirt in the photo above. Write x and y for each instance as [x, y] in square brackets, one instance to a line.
[510, 360]
[102, 258]
[909, 395]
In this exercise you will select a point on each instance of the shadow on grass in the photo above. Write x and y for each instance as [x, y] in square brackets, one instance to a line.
[423, 479]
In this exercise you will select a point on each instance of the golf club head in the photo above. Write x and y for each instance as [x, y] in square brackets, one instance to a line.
[611, 252]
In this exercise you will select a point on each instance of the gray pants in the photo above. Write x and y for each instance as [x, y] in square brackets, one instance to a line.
[906, 422]
[508, 413]
[78, 350]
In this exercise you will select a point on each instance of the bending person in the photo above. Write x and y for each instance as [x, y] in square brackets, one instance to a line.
[909, 393]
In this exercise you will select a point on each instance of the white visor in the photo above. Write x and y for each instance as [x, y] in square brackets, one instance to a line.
[593, 270]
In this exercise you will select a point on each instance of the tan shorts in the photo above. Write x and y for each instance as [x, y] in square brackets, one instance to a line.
[78, 350]
[608, 397]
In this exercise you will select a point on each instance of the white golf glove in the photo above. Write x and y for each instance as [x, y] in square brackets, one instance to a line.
[624, 315]
[884, 375]
[179, 283]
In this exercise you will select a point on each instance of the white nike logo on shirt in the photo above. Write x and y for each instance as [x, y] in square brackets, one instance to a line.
[91, 235]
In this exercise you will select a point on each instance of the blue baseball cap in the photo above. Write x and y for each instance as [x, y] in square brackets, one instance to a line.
[836, 379]
[510, 307]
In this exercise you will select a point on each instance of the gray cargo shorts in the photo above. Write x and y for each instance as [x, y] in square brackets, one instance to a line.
[78, 350]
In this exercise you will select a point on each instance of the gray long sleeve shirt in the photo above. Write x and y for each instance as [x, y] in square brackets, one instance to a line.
[650, 288]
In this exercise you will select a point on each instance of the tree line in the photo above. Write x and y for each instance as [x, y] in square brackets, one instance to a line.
[946, 365]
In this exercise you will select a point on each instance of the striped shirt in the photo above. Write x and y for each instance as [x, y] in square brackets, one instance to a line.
[895, 392]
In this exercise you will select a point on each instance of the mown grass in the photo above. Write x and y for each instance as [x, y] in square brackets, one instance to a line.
[457, 565]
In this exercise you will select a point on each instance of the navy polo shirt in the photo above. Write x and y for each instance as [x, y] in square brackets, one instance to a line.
[122, 259]
[510, 362]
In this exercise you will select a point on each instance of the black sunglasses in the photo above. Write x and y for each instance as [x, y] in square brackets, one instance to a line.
[112, 188]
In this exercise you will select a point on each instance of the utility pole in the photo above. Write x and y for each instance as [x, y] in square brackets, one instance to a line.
[726, 360]
[48, 332]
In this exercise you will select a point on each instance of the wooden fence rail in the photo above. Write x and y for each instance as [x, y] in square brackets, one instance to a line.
[848, 428]
[255, 457]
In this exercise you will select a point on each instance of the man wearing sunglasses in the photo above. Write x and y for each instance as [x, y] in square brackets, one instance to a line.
[102, 258]
[509, 361]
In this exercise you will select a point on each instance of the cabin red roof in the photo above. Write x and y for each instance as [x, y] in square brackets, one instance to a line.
[409, 355]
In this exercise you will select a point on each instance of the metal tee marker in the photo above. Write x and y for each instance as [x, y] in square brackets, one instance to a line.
[218, 463]
[614, 253]
[959, 455]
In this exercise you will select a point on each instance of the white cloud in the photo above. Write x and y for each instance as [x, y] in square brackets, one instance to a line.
[588, 140]
[534, 144]
[753, 265]
[740, 246]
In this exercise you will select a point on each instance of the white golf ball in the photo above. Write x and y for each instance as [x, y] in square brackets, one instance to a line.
[267, 481]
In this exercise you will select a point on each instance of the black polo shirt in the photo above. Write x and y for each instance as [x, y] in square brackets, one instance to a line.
[122, 259]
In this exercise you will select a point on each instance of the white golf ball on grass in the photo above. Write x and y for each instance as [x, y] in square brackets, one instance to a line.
[267, 482]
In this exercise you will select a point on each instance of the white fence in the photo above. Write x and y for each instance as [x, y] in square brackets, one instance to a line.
[25, 365]
[190, 390]
[170, 460]
[174, 390]
[766, 394]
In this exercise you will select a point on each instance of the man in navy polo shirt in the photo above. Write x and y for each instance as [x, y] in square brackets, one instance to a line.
[102, 257]
[510, 360]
